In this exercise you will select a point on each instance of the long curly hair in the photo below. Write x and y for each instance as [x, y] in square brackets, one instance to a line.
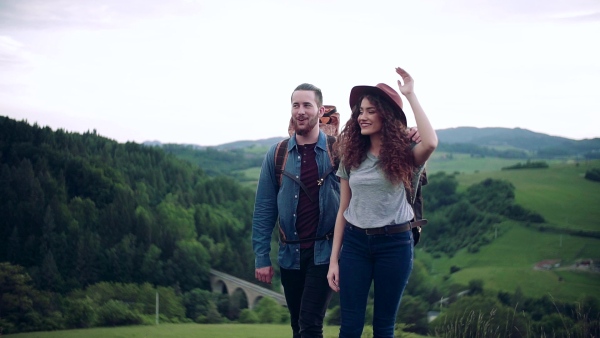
[395, 158]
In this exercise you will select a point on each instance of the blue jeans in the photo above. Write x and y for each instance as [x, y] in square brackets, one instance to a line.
[307, 294]
[386, 260]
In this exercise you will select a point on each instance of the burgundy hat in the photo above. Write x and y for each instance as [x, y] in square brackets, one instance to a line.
[384, 91]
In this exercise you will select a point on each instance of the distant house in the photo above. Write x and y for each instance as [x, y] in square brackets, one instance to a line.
[584, 264]
[547, 264]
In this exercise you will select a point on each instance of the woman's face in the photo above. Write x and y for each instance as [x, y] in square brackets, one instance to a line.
[369, 119]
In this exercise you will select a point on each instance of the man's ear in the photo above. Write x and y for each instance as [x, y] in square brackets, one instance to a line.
[321, 111]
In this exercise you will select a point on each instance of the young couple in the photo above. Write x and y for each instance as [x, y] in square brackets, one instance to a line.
[363, 204]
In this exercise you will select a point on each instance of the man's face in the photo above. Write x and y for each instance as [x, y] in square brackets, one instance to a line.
[305, 113]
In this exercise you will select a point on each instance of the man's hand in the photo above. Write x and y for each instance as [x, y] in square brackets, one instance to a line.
[265, 274]
[413, 134]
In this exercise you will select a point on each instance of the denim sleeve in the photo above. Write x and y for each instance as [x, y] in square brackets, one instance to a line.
[265, 211]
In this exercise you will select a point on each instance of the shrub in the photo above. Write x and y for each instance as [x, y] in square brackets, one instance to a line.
[212, 316]
[80, 313]
[116, 313]
[269, 311]
[593, 174]
[248, 316]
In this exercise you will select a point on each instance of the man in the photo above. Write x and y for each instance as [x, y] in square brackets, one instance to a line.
[306, 205]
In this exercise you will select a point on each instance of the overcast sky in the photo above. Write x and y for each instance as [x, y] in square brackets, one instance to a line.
[212, 72]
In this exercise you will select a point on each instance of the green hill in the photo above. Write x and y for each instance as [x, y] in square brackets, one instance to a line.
[560, 193]
[509, 263]
[83, 215]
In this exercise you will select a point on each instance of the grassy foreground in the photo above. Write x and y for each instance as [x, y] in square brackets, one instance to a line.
[181, 331]
[176, 330]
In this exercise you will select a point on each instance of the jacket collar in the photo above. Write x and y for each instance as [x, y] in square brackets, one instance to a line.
[321, 141]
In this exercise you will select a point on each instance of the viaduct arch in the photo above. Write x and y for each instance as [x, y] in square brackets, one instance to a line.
[221, 282]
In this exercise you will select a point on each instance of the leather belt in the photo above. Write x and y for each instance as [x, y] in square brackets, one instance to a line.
[390, 229]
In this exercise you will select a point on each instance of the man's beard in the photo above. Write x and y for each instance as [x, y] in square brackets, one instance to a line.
[307, 128]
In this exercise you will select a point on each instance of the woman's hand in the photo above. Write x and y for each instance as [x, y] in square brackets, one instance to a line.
[333, 277]
[408, 87]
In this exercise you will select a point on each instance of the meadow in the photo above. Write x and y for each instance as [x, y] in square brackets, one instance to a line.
[560, 194]
[564, 198]
[182, 330]
[508, 263]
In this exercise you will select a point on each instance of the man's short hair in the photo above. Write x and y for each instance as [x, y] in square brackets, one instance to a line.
[312, 88]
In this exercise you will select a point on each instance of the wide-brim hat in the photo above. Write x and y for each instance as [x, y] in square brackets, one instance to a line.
[381, 90]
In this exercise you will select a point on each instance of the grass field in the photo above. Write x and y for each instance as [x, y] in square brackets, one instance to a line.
[252, 175]
[181, 331]
[559, 193]
[174, 330]
[508, 262]
[464, 163]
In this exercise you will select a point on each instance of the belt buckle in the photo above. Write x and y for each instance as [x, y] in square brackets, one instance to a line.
[367, 231]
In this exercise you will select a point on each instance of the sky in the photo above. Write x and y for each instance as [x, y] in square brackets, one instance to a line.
[213, 72]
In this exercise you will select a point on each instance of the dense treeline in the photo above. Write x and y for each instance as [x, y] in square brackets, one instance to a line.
[515, 143]
[527, 165]
[23, 307]
[480, 151]
[79, 209]
[469, 219]
[215, 161]
[585, 150]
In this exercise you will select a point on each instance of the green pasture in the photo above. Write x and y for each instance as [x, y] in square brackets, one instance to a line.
[559, 193]
[464, 163]
[182, 331]
[251, 175]
[508, 262]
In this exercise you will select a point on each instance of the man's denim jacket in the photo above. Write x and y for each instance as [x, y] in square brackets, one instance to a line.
[273, 201]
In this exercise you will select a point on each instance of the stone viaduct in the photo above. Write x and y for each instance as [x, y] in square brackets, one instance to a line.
[223, 283]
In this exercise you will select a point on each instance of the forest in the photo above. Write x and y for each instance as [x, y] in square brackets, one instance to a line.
[91, 230]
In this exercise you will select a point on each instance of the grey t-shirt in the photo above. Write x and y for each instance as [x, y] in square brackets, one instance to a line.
[375, 201]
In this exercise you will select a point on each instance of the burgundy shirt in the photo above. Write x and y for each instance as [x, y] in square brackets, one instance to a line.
[308, 211]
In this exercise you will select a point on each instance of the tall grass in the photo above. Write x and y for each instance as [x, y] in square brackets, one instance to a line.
[515, 324]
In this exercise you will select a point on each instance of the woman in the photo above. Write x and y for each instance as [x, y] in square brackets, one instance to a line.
[377, 164]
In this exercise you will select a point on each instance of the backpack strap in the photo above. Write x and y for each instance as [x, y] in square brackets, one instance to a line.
[416, 201]
[281, 153]
[335, 160]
